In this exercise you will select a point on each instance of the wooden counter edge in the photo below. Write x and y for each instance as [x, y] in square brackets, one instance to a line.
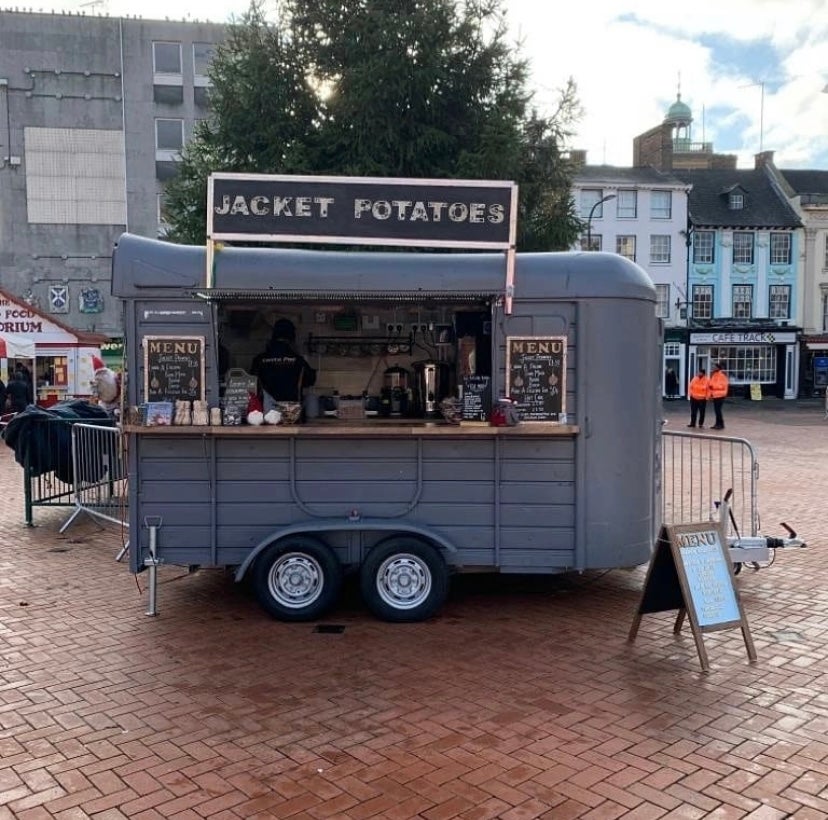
[357, 431]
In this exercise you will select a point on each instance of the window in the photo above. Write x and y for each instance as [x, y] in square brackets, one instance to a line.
[202, 57]
[625, 246]
[161, 213]
[736, 201]
[169, 135]
[702, 301]
[589, 199]
[594, 241]
[663, 301]
[166, 58]
[779, 302]
[703, 247]
[742, 301]
[780, 249]
[627, 205]
[661, 204]
[825, 261]
[742, 248]
[825, 309]
[659, 250]
[747, 363]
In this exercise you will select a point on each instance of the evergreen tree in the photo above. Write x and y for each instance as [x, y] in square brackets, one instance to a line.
[402, 88]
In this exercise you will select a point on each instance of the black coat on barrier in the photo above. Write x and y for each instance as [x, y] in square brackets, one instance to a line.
[43, 436]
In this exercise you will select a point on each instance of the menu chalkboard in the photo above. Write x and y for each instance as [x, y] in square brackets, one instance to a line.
[477, 398]
[173, 368]
[690, 570]
[708, 576]
[240, 384]
[536, 376]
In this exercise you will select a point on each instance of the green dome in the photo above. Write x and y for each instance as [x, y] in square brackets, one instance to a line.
[679, 112]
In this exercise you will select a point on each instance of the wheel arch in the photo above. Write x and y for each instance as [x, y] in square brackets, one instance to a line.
[316, 528]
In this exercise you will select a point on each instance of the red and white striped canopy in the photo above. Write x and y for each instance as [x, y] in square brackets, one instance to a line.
[13, 346]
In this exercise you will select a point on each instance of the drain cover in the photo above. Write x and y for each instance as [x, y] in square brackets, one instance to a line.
[330, 629]
[788, 636]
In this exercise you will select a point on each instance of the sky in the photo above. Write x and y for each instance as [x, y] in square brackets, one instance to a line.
[754, 72]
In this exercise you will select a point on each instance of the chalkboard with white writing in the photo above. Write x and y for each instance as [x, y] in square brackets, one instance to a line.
[536, 376]
[477, 398]
[690, 570]
[173, 368]
[240, 384]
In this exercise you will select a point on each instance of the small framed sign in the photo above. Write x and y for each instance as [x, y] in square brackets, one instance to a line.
[174, 368]
[690, 570]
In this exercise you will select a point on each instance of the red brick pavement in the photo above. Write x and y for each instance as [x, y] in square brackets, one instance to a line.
[522, 700]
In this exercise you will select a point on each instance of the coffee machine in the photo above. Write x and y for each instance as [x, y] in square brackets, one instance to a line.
[431, 386]
[395, 392]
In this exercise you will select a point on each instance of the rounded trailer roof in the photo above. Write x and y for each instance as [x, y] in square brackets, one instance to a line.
[141, 264]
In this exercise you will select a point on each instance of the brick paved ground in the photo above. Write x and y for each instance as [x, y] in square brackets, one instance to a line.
[521, 700]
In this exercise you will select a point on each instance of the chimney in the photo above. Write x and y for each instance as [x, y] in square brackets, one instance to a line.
[577, 157]
[762, 159]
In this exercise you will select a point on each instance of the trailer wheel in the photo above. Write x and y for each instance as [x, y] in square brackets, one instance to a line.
[297, 579]
[404, 579]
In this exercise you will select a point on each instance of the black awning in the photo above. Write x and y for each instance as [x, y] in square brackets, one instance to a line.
[273, 295]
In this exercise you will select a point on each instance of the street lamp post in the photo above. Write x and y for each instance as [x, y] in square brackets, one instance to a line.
[601, 201]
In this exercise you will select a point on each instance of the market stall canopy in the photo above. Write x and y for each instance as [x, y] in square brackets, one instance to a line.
[13, 346]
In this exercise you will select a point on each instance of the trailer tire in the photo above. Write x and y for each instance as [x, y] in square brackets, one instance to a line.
[404, 579]
[297, 578]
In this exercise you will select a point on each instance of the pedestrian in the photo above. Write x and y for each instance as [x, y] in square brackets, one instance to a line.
[2, 397]
[282, 372]
[699, 390]
[718, 392]
[671, 383]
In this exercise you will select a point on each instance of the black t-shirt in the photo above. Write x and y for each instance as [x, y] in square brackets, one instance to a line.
[282, 372]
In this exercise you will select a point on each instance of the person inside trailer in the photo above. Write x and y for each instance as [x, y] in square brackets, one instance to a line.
[282, 372]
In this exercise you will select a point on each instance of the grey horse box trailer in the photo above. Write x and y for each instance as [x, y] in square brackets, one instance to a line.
[403, 504]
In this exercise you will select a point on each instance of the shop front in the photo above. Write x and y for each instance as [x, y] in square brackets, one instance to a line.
[814, 371]
[55, 358]
[674, 355]
[763, 356]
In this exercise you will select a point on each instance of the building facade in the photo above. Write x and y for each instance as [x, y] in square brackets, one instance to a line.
[94, 111]
[808, 194]
[641, 213]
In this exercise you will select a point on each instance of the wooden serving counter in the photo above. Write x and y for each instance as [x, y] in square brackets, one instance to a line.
[380, 428]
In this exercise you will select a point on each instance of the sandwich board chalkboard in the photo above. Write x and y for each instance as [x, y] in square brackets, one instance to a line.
[536, 376]
[240, 384]
[477, 398]
[690, 570]
[174, 368]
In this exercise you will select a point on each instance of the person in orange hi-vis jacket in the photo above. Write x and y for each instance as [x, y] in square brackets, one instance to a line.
[718, 392]
[699, 390]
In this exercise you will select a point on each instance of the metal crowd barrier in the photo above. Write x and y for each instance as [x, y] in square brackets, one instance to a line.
[47, 465]
[99, 474]
[697, 471]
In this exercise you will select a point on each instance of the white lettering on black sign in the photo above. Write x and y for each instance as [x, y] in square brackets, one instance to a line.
[536, 376]
[321, 208]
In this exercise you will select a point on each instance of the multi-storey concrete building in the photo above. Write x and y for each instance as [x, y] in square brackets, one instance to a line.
[93, 113]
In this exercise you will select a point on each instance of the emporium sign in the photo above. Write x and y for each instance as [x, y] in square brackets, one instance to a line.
[362, 210]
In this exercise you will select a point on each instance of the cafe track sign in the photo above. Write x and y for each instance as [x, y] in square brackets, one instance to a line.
[362, 210]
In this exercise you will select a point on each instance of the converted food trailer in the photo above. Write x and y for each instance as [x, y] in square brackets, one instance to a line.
[374, 478]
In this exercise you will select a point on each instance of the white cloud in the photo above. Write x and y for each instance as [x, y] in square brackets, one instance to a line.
[626, 58]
